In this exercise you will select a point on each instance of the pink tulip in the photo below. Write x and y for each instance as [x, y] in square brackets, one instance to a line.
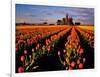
[22, 58]
[25, 52]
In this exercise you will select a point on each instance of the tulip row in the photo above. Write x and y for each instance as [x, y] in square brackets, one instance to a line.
[26, 56]
[34, 34]
[88, 35]
[26, 37]
[73, 52]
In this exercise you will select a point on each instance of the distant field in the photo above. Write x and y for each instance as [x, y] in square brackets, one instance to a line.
[37, 26]
[87, 27]
[43, 26]
[50, 48]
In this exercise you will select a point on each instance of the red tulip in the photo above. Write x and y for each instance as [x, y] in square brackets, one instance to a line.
[80, 66]
[70, 68]
[16, 48]
[81, 51]
[20, 69]
[73, 64]
[47, 42]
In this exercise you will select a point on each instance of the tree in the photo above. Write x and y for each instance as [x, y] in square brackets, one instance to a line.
[59, 22]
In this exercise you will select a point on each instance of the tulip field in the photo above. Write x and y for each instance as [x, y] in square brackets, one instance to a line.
[54, 48]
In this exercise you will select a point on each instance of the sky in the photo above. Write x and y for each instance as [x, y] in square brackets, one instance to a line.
[50, 14]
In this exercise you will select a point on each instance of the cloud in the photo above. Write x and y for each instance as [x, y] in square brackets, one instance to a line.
[43, 20]
[82, 17]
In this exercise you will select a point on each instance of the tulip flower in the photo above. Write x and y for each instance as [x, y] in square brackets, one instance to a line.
[70, 68]
[78, 61]
[67, 60]
[22, 58]
[80, 66]
[81, 51]
[84, 60]
[32, 49]
[58, 53]
[20, 69]
[64, 51]
[73, 64]
[64, 63]
[25, 52]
